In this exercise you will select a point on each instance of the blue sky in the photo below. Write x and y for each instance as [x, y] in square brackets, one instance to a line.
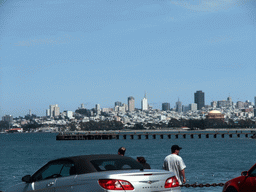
[70, 52]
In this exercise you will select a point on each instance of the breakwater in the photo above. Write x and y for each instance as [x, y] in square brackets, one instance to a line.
[101, 135]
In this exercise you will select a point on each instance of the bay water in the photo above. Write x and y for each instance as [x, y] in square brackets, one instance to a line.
[208, 160]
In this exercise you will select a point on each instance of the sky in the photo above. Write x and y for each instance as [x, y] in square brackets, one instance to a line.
[70, 52]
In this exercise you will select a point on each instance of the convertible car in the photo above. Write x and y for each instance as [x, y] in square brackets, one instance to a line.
[97, 173]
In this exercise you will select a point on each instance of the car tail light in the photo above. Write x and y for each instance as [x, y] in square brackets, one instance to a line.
[171, 182]
[113, 184]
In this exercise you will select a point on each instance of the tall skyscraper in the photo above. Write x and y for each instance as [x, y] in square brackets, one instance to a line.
[131, 103]
[255, 101]
[97, 107]
[166, 106]
[178, 106]
[199, 99]
[54, 111]
[144, 103]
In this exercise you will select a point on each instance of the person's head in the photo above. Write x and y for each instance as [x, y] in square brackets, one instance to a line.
[121, 151]
[141, 160]
[176, 149]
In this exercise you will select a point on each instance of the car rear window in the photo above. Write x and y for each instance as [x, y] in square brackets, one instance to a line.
[115, 164]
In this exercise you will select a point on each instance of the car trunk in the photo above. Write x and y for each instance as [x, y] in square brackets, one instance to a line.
[147, 180]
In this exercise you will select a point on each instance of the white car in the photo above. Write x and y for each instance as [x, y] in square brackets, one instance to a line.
[97, 173]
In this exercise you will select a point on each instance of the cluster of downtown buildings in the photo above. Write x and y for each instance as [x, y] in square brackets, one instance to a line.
[129, 115]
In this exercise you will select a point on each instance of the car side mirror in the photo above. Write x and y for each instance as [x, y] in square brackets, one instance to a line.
[27, 179]
[244, 173]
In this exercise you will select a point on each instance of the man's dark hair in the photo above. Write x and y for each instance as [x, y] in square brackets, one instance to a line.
[175, 147]
[121, 151]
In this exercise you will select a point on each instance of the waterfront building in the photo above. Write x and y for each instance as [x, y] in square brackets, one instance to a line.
[199, 99]
[254, 112]
[178, 106]
[131, 104]
[144, 103]
[166, 107]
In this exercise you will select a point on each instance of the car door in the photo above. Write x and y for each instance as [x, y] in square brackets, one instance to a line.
[249, 183]
[45, 179]
[44, 185]
[65, 183]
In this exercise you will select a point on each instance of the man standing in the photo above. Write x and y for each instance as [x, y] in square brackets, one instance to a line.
[174, 163]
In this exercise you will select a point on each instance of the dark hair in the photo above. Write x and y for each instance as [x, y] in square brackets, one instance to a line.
[175, 147]
[141, 160]
[121, 151]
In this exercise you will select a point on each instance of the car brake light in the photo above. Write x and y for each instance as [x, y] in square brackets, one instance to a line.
[171, 182]
[113, 184]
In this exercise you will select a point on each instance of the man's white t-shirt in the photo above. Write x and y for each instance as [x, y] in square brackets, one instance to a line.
[175, 164]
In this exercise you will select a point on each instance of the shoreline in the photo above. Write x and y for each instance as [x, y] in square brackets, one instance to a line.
[165, 130]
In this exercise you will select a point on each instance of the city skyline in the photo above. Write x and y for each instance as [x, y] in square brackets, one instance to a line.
[138, 105]
[68, 53]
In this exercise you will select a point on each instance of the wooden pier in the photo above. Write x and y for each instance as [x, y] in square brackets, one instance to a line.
[151, 135]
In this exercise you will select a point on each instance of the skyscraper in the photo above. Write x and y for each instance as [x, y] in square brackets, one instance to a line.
[144, 103]
[54, 111]
[199, 99]
[178, 106]
[255, 101]
[97, 107]
[131, 103]
[166, 106]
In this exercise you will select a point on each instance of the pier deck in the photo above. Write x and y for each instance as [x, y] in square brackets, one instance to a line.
[152, 135]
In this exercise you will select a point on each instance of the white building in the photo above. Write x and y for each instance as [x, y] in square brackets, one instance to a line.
[69, 114]
[144, 103]
[53, 111]
[193, 106]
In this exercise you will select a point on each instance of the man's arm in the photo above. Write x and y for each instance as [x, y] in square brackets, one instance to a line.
[183, 175]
